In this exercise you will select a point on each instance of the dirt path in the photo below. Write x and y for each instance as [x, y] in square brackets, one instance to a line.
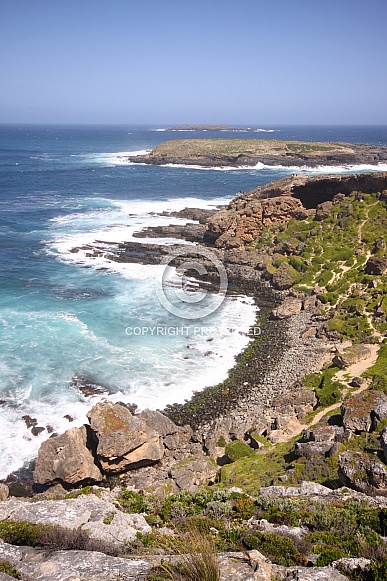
[295, 427]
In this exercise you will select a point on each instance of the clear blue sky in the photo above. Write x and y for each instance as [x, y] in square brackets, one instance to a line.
[193, 61]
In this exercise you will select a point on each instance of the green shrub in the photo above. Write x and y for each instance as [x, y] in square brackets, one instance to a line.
[237, 449]
[281, 550]
[9, 569]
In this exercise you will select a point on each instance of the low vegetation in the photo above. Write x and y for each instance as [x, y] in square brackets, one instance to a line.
[196, 148]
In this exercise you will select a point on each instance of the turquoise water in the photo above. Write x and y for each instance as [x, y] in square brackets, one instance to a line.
[64, 315]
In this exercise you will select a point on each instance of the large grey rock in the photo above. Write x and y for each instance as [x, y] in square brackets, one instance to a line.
[364, 411]
[194, 471]
[353, 564]
[314, 574]
[168, 431]
[5, 577]
[376, 265]
[66, 459]
[313, 488]
[72, 565]
[125, 441]
[312, 449]
[265, 526]
[363, 473]
[249, 566]
[86, 511]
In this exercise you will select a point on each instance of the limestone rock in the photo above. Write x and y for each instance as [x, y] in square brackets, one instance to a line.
[312, 449]
[283, 278]
[364, 411]
[249, 566]
[289, 307]
[194, 471]
[5, 577]
[313, 488]
[323, 211]
[353, 355]
[353, 564]
[362, 472]
[66, 459]
[4, 492]
[125, 441]
[314, 574]
[72, 565]
[86, 511]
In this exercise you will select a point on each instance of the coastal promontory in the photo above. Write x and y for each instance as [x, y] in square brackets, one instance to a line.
[217, 152]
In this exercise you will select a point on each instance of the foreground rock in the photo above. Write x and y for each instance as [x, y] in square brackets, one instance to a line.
[72, 565]
[66, 458]
[100, 518]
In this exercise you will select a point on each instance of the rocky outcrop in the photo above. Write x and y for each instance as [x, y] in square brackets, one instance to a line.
[72, 565]
[124, 441]
[279, 201]
[289, 307]
[363, 473]
[314, 574]
[245, 219]
[364, 411]
[353, 355]
[100, 518]
[66, 459]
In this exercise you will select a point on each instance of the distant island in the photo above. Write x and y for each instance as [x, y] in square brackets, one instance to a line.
[209, 128]
[216, 152]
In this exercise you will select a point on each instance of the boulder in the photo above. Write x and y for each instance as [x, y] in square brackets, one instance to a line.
[364, 411]
[72, 565]
[314, 574]
[323, 211]
[284, 278]
[353, 355]
[248, 566]
[312, 449]
[194, 471]
[161, 424]
[4, 491]
[376, 265]
[362, 472]
[125, 441]
[66, 459]
[288, 308]
[87, 512]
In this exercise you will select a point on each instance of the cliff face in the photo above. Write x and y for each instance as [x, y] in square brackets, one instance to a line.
[278, 202]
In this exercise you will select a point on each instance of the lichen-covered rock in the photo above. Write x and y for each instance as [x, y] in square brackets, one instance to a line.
[283, 278]
[194, 471]
[125, 441]
[323, 211]
[353, 355]
[66, 459]
[363, 472]
[99, 517]
[364, 411]
[249, 566]
[72, 565]
[289, 307]
[314, 574]
[312, 449]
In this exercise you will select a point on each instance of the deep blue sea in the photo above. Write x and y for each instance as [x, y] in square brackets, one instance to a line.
[64, 315]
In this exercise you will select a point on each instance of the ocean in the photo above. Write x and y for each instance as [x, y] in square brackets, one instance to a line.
[64, 317]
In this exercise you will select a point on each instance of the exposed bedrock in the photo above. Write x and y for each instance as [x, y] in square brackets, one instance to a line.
[280, 201]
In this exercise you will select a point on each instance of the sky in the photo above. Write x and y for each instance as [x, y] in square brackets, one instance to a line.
[240, 62]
